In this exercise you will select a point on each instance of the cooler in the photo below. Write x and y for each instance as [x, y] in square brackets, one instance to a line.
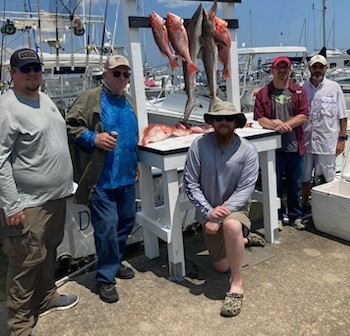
[331, 204]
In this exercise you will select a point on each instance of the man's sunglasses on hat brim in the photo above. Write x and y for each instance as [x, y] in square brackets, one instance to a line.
[26, 69]
[117, 74]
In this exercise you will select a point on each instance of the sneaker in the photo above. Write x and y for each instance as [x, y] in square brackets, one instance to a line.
[280, 225]
[108, 292]
[298, 224]
[255, 240]
[125, 272]
[232, 305]
[65, 302]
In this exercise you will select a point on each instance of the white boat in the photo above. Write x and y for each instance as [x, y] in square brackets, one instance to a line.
[253, 76]
[255, 63]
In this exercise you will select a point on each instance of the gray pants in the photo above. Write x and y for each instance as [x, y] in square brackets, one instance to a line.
[31, 248]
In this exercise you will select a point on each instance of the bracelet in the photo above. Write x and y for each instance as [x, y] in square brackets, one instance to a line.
[343, 137]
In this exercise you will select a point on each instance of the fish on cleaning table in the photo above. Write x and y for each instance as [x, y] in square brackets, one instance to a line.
[159, 132]
[194, 32]
[179, 40]
[160, 34]
[155, 133]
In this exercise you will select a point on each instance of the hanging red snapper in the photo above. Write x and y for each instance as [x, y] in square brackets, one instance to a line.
[223, 41]
[161, 38]
[179, 40]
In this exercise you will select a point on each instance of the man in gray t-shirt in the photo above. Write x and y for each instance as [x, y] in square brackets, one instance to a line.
[36, 176]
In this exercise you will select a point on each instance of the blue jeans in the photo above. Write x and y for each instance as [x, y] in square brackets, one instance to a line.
[112, 215]
[290, 165]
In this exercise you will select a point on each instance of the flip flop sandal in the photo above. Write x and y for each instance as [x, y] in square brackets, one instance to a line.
[232, 304]
[255, 240]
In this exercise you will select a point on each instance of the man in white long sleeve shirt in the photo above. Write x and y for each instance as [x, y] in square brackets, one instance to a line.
[219, 175]
[325, 129]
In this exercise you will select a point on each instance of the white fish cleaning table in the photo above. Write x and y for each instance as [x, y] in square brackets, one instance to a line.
[164, 221]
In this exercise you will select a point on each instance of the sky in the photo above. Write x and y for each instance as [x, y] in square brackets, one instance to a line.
[261, 23]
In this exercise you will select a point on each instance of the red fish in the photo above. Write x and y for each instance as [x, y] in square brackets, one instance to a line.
[197, 128]
[181, 130]
[156, 132]
[223, 41]
[179, 40]
[161, 37]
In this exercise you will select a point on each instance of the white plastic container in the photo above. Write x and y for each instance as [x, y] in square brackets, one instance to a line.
[331, 204]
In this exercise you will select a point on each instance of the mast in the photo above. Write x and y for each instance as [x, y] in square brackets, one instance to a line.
[324, 21]
[251, 28]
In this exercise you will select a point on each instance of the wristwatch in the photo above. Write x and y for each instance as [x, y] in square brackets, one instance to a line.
[343, 137]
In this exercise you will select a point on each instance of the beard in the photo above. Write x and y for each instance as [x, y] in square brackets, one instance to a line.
[317, 77]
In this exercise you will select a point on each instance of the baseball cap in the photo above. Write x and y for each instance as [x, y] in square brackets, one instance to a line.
[115, 61]
[281, 59]
[22, 57]
[318, 59]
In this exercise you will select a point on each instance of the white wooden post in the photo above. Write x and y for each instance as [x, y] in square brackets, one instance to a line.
[232, 83]
[133, 47]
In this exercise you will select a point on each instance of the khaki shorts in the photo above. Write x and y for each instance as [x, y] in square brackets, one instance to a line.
[216, 243]
[319, 165]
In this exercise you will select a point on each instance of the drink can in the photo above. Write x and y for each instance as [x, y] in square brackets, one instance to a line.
[114, 134]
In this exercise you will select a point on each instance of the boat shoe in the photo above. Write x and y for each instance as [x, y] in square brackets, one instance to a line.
[255, 240]
[125, 272]
[232, 304]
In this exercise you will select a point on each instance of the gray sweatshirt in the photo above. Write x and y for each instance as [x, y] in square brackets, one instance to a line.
[35, 164]
[214, 177]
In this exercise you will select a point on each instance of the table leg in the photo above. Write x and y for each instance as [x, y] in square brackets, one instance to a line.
[269, 189]
[148, 207]
[172, 218]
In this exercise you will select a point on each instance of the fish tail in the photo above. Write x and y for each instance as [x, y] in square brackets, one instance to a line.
[226, 72]
[190, 105]
[192, 67]
[173, 63]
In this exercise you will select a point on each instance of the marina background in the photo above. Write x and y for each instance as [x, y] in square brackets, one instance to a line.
[261, 23]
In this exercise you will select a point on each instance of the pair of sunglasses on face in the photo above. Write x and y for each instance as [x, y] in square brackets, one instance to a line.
[228, 118]
[118, 73]
[28, 68]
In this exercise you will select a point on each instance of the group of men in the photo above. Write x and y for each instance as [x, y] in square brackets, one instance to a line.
[36, 176]
[313, 122]
[38, 164]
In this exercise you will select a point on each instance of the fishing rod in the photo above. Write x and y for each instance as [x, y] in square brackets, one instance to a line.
[2, 83]
[103, 34]
[57, 44]
[88, 46]
[76, 26]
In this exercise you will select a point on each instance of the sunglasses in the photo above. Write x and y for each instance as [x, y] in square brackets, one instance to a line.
[118, 73]
[318, 66]
[27, 69]
[221, 118]
[282, 68]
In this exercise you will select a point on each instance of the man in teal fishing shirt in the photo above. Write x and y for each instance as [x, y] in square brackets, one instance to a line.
[103, 132]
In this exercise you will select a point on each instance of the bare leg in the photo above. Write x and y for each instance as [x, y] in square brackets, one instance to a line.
[234, 245]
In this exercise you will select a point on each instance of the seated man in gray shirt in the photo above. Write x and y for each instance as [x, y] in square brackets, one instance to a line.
[219, 175]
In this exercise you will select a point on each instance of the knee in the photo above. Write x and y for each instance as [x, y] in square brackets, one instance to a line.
[232, 226]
